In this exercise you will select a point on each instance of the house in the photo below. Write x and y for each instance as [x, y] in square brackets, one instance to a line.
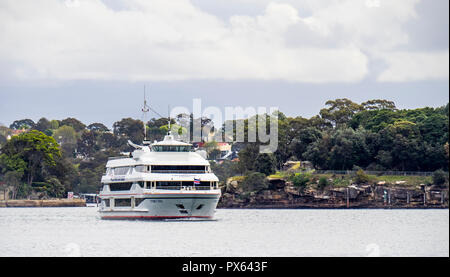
[17, 132]
[223, 147]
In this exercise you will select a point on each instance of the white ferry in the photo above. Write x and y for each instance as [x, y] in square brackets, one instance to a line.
[160, 180]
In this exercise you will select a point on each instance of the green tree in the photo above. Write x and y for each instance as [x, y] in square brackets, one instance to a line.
[361, 177]
[37, 150]
[110, 141]
[434, 129]
[66, 136]
[265, 163]
[43, 124]
[247, 157]
[97, 127]
[129, 128]
[340, 111]
[323, 182]
[304, 138]
[54, 124]
[318, 152]
[74, 123]
[378, 104]
[22, 124]
[2, 140]
[374, 120]
[384, 158]
[66, 172]
[349, 149]
[174, 128]
[54, 188]
[440, 177]
[158, 128]
[87, 144]
[225, 170]
[210, 146]
[300, 181]
[254, 181]
[13, 179]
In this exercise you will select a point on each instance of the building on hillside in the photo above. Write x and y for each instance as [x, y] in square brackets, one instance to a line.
[223, 147]
[17, 132]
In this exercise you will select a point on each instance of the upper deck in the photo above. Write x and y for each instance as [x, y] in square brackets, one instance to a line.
[166, 160]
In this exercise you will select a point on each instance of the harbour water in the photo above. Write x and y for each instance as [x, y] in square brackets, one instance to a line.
[237, 233]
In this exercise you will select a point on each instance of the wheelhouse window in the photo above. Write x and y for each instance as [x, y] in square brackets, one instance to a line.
[171, 148]
[123, 170]
[141, 168]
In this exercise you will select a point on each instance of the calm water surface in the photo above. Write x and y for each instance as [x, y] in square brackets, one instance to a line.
[80, 232]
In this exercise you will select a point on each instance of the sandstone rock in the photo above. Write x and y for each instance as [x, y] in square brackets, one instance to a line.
[234, 184]
[291, 190]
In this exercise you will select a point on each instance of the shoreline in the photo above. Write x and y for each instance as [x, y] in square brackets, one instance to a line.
[25, 203]
[332, 208]
[282, 194]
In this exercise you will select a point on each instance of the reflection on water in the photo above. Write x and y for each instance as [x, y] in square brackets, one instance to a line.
[80, 232]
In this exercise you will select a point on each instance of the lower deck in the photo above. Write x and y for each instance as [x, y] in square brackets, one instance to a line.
[160, 204]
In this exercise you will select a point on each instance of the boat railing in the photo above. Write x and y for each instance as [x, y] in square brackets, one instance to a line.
[184, 187]
[178, 171]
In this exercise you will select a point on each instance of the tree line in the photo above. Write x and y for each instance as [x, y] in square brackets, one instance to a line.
[53, 157]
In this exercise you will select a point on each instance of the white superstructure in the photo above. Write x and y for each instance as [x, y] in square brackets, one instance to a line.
[160, 180]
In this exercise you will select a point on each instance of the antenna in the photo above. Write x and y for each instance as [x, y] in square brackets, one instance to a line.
[145, 110]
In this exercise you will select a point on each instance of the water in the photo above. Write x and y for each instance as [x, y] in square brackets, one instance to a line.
[80, 232]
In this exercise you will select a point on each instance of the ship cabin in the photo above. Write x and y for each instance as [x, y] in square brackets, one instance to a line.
[167, 164]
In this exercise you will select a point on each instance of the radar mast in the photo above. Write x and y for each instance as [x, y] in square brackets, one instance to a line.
[145, 110]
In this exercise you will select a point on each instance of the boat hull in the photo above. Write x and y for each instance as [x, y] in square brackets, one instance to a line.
[166, 206]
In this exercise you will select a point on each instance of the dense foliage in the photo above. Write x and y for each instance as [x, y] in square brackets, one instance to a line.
[373, 136]
[53, 157]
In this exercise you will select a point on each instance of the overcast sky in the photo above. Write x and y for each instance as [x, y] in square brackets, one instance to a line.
[91, 59]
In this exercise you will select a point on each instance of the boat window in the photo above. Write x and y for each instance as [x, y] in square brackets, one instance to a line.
[121, 170]
[120, 186]
[141, 168]
[175, 168]
[171, 148]
[141, 184]
[122, 202]
[106, 202]
[168, 185]
[204, 185]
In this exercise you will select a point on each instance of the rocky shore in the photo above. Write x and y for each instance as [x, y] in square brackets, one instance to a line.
[44, 203]
[282, 194]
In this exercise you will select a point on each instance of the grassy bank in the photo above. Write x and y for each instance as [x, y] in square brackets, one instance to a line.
[343, 180]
